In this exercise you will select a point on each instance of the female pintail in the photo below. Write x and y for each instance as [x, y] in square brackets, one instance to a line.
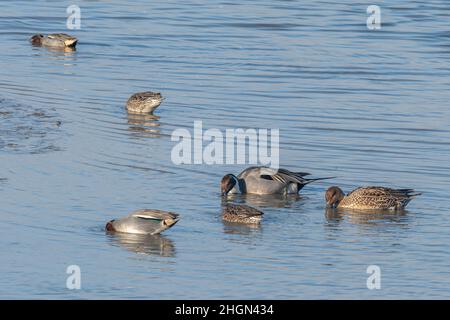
[380, 198]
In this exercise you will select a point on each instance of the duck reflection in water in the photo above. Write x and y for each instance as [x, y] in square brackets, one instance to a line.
[155, 245]
[241, 229]
[366, 217]
[265, 201]
[144, 125]
[61, 50]
[66, 55]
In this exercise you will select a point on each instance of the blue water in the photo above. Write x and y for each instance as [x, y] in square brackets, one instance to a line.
[369, 107]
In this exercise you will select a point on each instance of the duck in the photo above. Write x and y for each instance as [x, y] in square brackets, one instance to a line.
[264, 181]
[144, 102]
[144, 221]
[57, 40]
[373, 197]
[240, 213]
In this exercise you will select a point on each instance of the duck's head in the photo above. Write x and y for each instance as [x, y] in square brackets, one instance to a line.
[228, 182]
[110, 226]
[36, 40]
[333, 196]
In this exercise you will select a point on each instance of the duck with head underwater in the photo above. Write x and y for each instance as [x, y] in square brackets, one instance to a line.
[54, 40]
[265, 180]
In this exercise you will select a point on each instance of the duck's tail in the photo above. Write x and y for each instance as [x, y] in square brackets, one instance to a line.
[317, 179]
[411, 193]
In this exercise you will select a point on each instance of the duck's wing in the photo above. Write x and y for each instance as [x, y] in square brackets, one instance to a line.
[242, 210]
[382, 196]
[291, 176]
[152, 214]
[373, 191]
[282, 175]
[145, 95]
[250, 172]
[62, 36]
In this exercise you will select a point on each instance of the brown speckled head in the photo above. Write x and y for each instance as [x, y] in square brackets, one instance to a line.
[109, 226]
[227, 183]
[36, 40]
[333, 196]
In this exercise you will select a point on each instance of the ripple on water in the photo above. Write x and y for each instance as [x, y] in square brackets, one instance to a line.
[28, 130]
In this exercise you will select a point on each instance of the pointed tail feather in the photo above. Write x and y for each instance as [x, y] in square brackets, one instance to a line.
[317, 179]
[410, 192]
[414, 194]
[302, 174]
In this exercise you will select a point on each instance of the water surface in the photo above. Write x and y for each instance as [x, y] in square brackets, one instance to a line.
[369, 107]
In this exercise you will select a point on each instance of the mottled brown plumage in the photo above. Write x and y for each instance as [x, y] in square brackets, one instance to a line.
[380, 198]
[241, 214]
[144, 102]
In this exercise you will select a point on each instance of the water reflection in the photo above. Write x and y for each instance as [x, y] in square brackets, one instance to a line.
[63, 50]
[144, 125]
[270, 201]
[156, 245]
[66, 55]
[55, 49]
[241, 229]
[374, 217]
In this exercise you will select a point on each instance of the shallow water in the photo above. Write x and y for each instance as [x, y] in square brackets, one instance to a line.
[369, 107]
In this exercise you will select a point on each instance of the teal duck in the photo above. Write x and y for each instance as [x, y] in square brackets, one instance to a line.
[57, 40]
[241, 214]
[144, 221]
[144, 102]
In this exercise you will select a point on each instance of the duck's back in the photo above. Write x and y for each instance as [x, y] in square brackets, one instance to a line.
[377, 198]
[241, 214]
[144, 102]
[258, 180]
